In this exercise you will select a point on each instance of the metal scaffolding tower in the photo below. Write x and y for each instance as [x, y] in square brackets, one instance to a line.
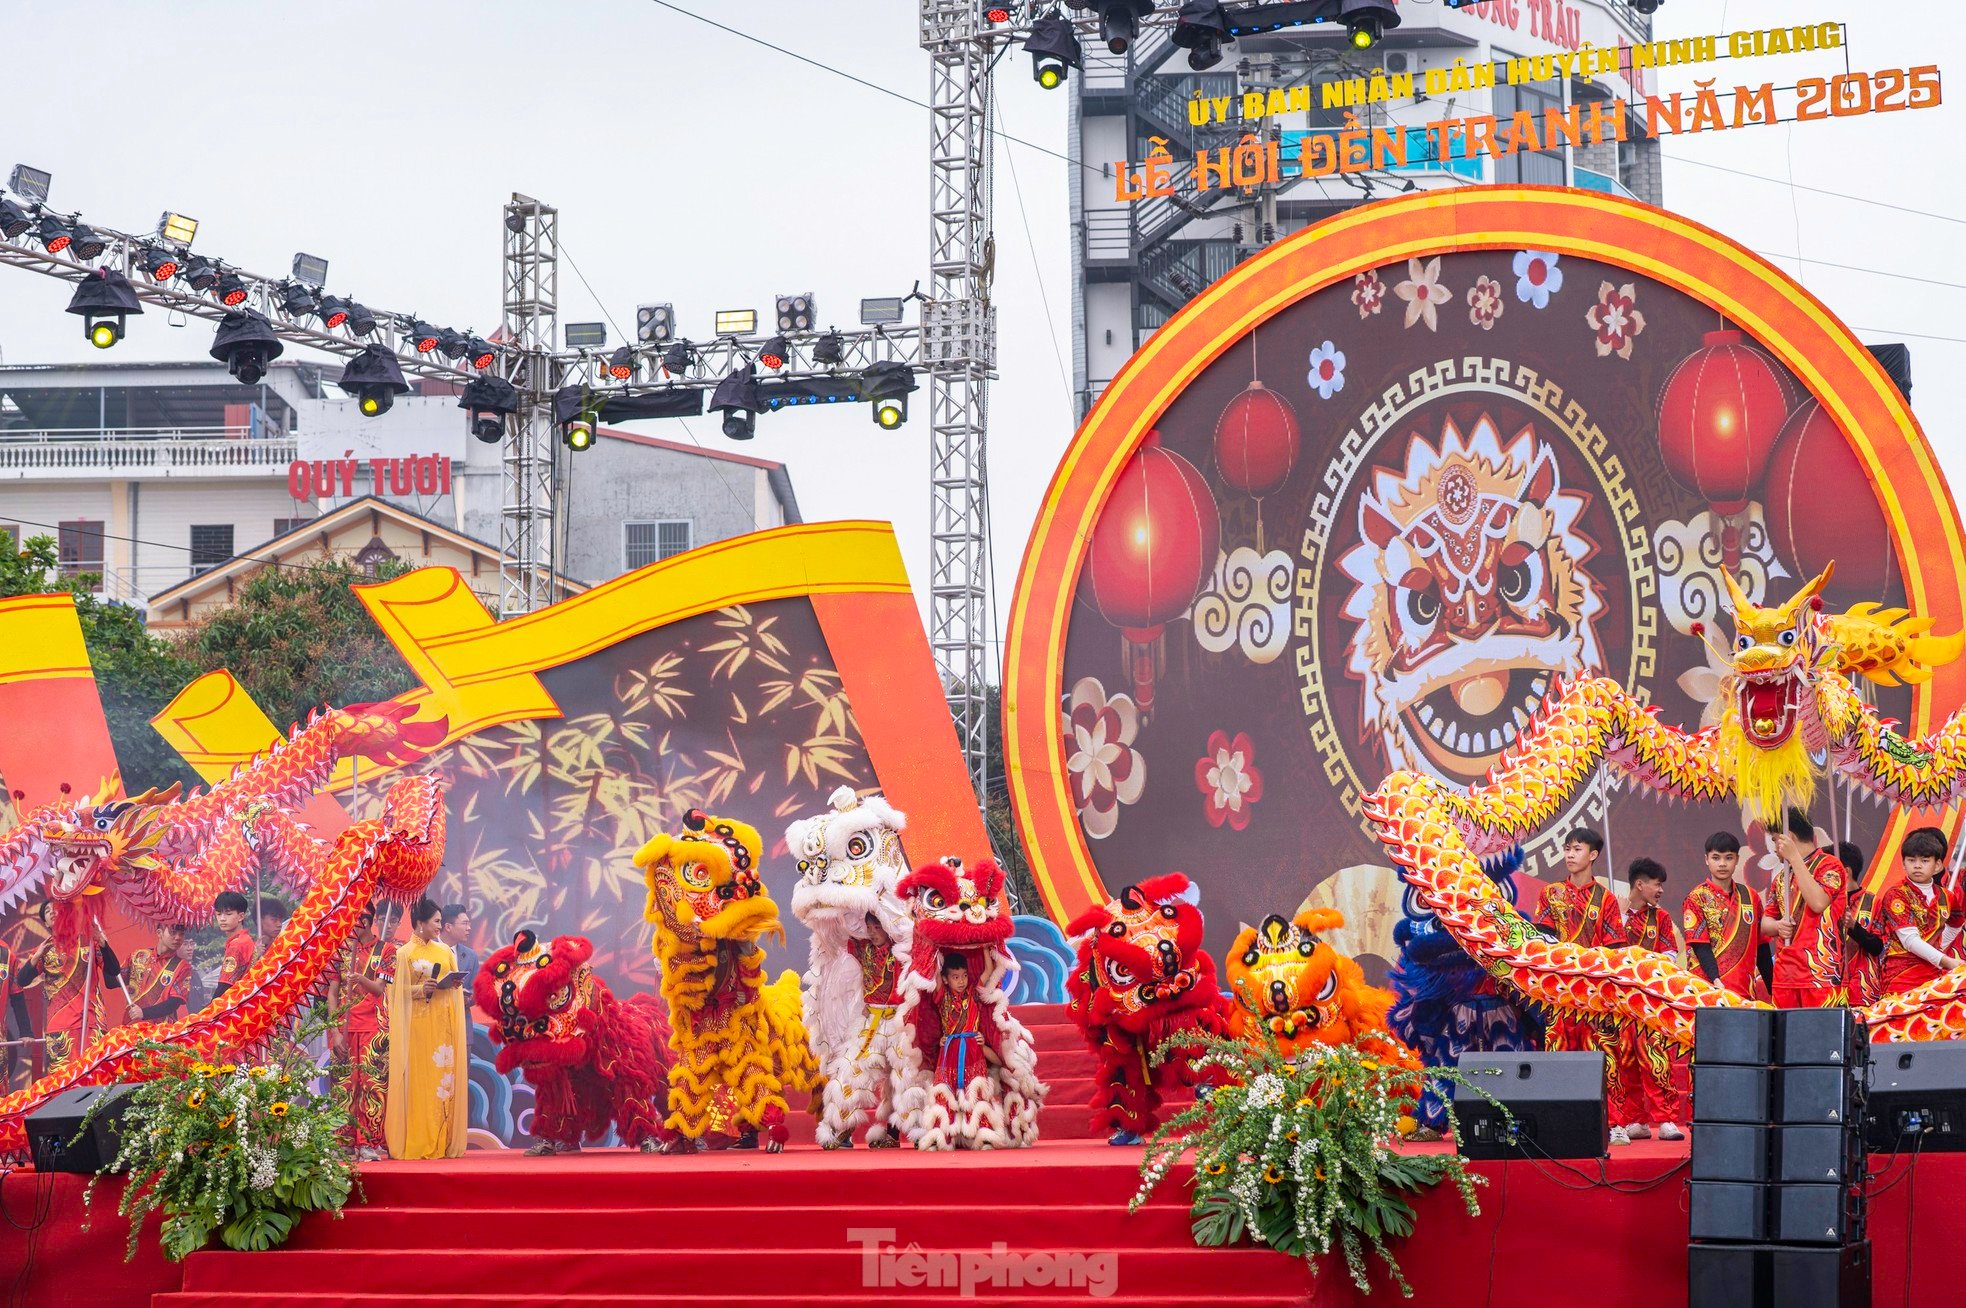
[531, 313]
[959, 350]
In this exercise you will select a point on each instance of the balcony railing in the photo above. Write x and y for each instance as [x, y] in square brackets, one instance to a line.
[143, 454]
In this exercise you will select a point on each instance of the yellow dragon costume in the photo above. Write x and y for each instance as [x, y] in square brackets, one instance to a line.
[739, 1045]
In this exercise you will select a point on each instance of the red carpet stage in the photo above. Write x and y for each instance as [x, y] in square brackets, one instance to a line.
[1040, 1225]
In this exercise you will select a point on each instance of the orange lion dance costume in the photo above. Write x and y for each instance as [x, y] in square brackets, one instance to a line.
[1292, 987]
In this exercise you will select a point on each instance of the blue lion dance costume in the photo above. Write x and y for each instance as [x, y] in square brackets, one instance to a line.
[1447, 1004]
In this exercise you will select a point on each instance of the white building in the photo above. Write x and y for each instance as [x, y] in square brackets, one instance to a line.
[151, 474]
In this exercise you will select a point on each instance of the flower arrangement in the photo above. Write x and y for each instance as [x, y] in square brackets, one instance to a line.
[1297, 1152]
[240, 1152]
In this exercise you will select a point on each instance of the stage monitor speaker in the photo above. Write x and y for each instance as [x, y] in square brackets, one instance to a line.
[1741, 1037]
[55, 1138]
[1727, 1210]
[1556, 1099]
[1822, 1096]
[1825, 1155]
[1820, 1037]
[1732, 1093]
[1765, 1276]
[1725, 1151]
[1817, 1214]
[1917, 1097]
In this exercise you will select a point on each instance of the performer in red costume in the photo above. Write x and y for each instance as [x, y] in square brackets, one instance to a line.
[1812, 892]
[962, 1025]
[1920, 918]
[1722, 919]
[1581, 910]
[1656, 1078]
[158, 980]
[71, 989]
[361, 1045]
[229, 912]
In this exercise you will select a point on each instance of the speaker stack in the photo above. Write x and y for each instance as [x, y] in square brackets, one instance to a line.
[1778, 1208]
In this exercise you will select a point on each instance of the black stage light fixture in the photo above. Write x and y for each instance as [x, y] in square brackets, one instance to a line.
[30, 184]
[298, 301]
[676, 360]
[104, 299]
[1366, 21]
[480, 353]
[422, 335]
[1201, 30]
[231, 290]
[245, 344]
[655, 324]
[199, 273]
[452, 345]
[55, 235]
[1119, 20]
[796, 313]
[775, 353]
[621, 364]
[375, 379]
[14, 220]
[333, 310]
[158, 264]
[1645, 6]
[360, 320]
[515, 222]
[488, 400]
[736, 398]
[578, 434]
[887, 386]
[829, 351]
[86, 244]
[998, 14]
[1053, 47]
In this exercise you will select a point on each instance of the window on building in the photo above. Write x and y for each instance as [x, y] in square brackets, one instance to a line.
[210, 546]
[281, 526]
[649, 542]
[9, 538]
[79, 544]
[1537, 168]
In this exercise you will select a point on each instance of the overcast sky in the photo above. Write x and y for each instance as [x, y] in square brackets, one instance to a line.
[693, 167]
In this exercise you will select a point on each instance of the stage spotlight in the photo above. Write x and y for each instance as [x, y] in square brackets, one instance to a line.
[889, 414]
[158, 264]
[655, 324]
[375, 379]
[1366, 21]
[586, 335]
[488, 400]
[333, 310]
[515, 222]
[452, 345]
[736, 397]
[736, 322]
[1053, 47]
[231, 290]
[103, 300]
[298, 301]
[829, 350]
[578, 434]
[54, 234]
[14, 221]
[481, 354]
[1201, 30]
[86, 244]
[998, 14]
[199, 273]
[311, 270]
[677, 359]
[1119, 20]
[245, 344]
[775, 353]
[796, 313]
[887, 386]
[30, 184]
[621, 365]
[360, 320]
[1645, 6]
[422, 335]
[177, 229]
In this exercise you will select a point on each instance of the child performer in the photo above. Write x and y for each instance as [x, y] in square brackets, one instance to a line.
[961, 1059]
[1918, 917]
[1653, 1074]
[1812, 892]
[1581, 910]
[229, 912]
[1722, 919]
[1863, 933]
[158, 979]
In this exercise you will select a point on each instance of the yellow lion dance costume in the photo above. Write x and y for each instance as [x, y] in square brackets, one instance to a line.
[1294, 988]
[739, 1045]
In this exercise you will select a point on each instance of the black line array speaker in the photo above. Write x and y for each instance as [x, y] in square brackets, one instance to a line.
[1755, 1275]
[1557, 1100]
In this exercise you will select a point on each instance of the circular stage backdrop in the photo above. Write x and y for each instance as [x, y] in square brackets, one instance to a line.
[1357, 505]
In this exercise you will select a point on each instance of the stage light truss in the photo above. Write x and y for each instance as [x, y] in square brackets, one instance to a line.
[715, 359]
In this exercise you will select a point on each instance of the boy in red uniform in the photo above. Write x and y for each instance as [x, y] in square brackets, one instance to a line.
[1918, 917]
[158, 979]
[1863, 933]
[229, 912]
[1581, 910]
[1722, 919]
[1812, 893]
[1653, 1074]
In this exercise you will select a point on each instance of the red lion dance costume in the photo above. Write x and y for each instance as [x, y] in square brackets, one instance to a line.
[591, 1059]
[1141, 977]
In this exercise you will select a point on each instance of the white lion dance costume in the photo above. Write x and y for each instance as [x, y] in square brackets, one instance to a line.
[969, 1074]
[850, 862]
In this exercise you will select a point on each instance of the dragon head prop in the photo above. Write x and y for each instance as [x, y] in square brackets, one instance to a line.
[541, 997]
[1289, 980]
[703, 882]
[850, 863]
[1141, 961]
[957, 906]
[75, 851]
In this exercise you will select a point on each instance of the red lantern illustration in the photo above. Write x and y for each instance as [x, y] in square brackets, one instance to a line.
[1719, 415]
[1821, 507]
[1256, 441]
[1154, 545]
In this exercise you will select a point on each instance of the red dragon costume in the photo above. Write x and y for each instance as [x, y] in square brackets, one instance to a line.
[591, 1059]
[1141, 977]
[969, 1075]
